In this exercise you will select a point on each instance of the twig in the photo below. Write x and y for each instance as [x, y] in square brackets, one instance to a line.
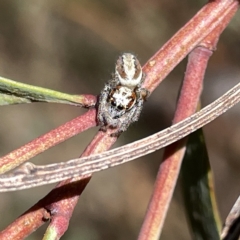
[185, 40]
[169, 169]
[48, 140]
[173, 155]
[231, 229]
[62, 208]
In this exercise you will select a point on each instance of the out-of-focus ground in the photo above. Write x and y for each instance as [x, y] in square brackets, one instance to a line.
[72, 46]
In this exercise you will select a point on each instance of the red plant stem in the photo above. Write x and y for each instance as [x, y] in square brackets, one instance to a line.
[203, 23]
[169, 169]
[62, 210]
[187, 104]
[48, 140]
[29, 222]
[88, 100]
[57, 204]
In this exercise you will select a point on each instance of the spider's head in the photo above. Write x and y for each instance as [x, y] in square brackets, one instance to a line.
[128, 70]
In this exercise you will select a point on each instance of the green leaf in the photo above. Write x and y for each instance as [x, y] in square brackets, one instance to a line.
[12, 92]
[198, 190]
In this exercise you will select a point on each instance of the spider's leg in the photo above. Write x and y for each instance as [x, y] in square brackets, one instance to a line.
[125, 121]
[138, 110]
[102, 104]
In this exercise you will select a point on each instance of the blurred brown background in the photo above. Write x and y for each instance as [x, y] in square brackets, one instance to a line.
[72, 46]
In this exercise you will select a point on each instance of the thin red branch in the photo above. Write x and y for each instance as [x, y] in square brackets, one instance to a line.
[48, 140]
[59, 203]
[169, 169]
[177, 48]
[62, 210]
[172, 159]
[87, 100]
[29, 222]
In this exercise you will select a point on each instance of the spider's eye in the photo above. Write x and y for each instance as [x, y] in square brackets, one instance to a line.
[120, 107]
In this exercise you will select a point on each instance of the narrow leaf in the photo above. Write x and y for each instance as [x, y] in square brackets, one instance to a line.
[6, 99]
[12, 92]
[198, 190]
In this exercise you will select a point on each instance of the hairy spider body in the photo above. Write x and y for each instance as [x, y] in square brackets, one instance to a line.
[122, 98]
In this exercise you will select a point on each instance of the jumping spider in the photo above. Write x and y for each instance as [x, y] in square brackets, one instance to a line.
[121, 100]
